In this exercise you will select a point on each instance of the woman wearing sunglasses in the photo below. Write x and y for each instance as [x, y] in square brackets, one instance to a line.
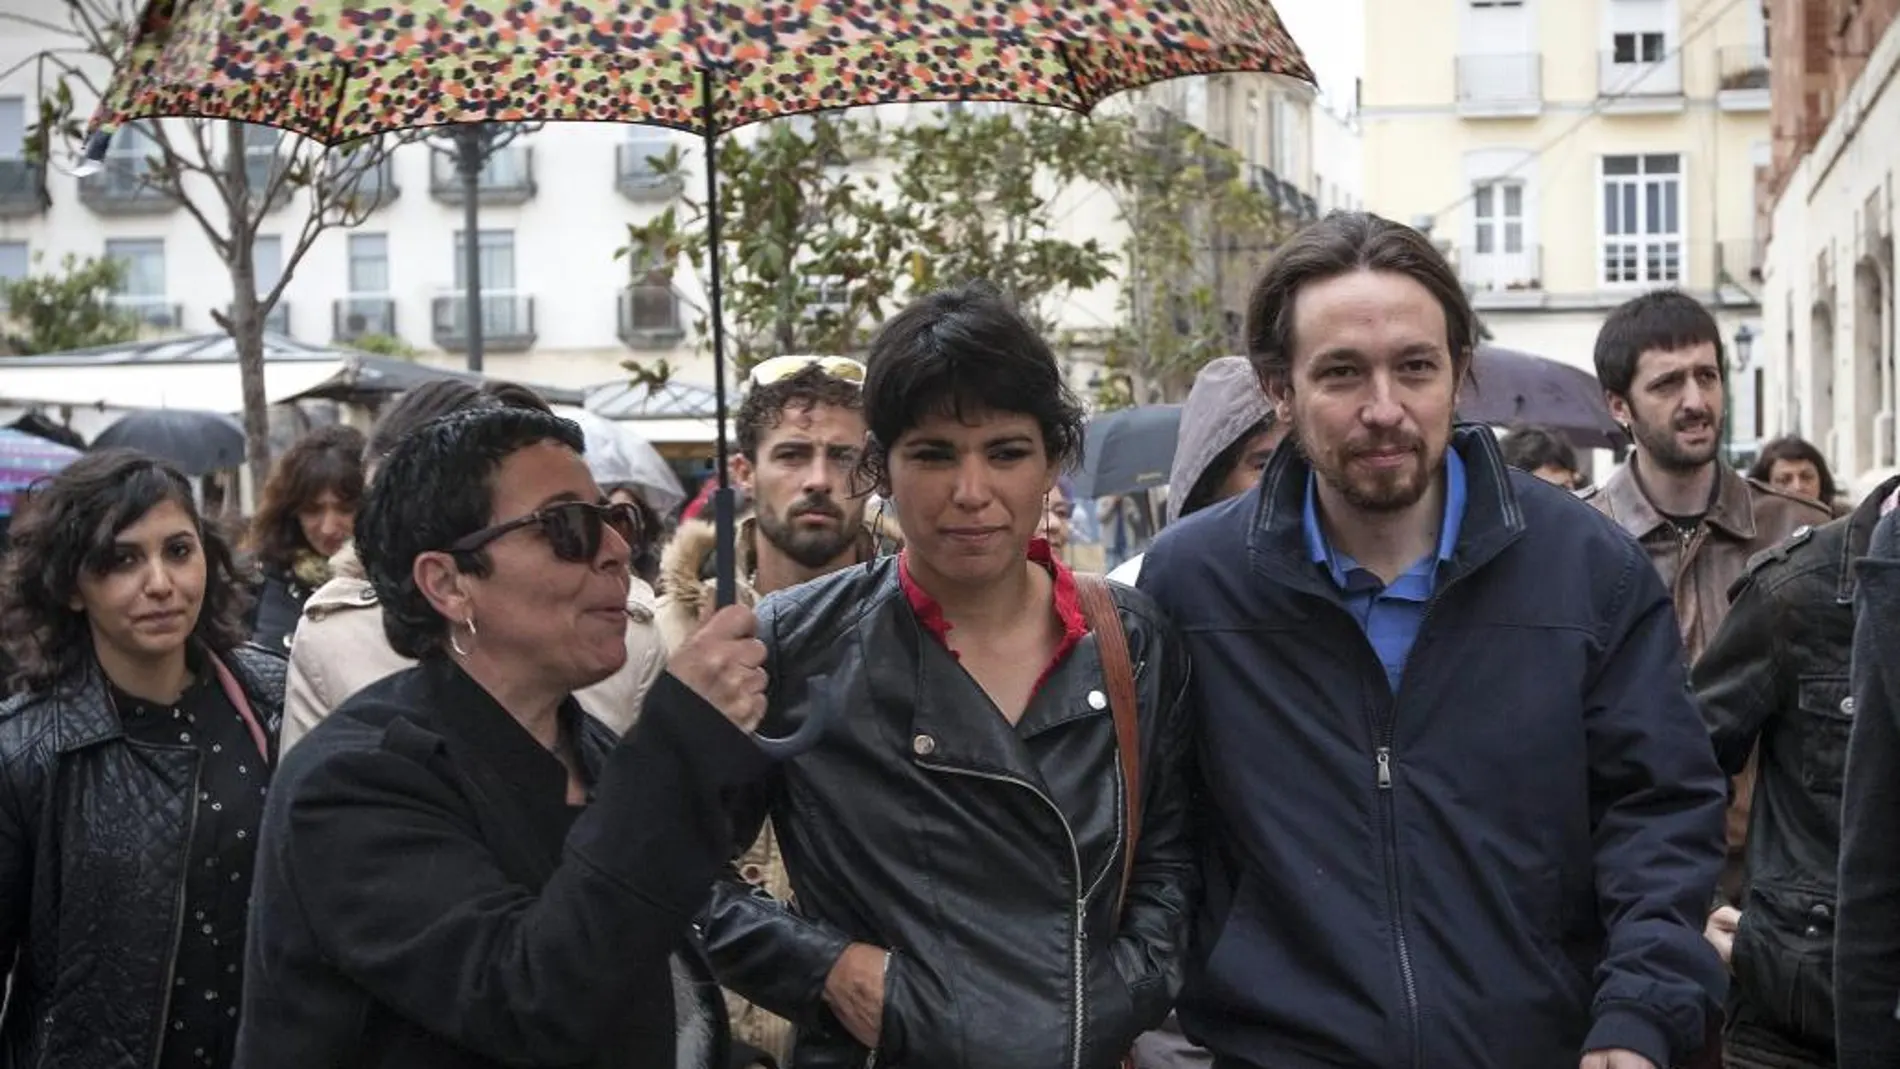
[984, 874]
[340, 647]
[459, 868]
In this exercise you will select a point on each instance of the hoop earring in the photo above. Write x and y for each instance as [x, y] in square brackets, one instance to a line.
[472, 636]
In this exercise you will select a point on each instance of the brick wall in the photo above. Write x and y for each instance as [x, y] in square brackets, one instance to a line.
[1816, 49]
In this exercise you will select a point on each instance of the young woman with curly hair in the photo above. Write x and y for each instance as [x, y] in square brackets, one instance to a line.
[134, 757]
[309, 506]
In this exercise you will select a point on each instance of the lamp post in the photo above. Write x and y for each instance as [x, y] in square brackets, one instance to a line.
[1744, 348]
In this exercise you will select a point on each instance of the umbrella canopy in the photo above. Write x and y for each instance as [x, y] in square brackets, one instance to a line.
[1128, 450]
[618, 457]
[338, 70]
[26, 458]
[1510, 387]
[197, 443]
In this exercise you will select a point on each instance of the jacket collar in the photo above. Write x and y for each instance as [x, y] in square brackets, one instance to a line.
[1732, 513]
[87, 715]
[478, 725]
[1860, 532]
[1276, 542]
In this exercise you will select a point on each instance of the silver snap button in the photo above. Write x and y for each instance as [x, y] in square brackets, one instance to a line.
[1847, 706]
[1097, 700]
[923, 745]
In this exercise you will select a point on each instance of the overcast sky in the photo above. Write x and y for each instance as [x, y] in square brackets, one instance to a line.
[1332, 33]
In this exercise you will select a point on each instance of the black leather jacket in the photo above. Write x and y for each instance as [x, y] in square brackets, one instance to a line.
[1776, 672]
[94, 836]
[985, 858]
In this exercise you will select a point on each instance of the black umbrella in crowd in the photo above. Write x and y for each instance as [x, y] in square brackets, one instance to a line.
[198, 443]
[1128, 450]
[1509, 387]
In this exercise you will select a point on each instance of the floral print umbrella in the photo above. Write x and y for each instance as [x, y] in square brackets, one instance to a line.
[337, 70]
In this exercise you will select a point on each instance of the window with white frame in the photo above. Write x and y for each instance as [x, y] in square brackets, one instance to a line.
[14, 262]
[1647, 47]
[260, 156]
[369, 264]
[1497, 216]
[1285, 158]
[12, 128]
[141, 288]
[1642, 221]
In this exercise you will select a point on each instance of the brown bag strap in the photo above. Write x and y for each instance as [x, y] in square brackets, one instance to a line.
[1111, 642]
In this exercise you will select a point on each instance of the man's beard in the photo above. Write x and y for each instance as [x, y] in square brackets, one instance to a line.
[809, 547]
[1661, 447]
[1376, 490]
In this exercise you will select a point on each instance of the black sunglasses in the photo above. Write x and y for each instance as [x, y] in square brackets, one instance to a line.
[573, 529]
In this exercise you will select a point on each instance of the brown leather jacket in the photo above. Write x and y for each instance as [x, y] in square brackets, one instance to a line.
[1747, 518]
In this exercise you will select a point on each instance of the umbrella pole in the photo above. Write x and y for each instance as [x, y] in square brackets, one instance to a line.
[725, 507]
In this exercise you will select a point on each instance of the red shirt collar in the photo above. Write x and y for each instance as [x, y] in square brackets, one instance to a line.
[1068, 603]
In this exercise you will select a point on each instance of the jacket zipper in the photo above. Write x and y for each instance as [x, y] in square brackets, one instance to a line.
[178, 917]
[1078, 938]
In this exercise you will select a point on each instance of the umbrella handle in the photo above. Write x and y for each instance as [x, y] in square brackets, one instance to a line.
[822, 709]
[725, 531]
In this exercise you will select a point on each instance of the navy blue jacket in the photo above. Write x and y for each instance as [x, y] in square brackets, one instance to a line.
[1503, 866]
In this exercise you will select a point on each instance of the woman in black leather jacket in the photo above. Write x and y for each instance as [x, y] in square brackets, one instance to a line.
[955, 840]
[308, 506]
[133, 765]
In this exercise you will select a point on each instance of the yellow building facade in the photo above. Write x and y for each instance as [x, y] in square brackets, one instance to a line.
[1571, 153]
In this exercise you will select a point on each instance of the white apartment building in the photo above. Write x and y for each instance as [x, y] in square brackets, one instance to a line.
[1572, 153]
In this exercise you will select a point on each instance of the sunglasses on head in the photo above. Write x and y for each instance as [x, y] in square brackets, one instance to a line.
[780, 368]
[574, 529]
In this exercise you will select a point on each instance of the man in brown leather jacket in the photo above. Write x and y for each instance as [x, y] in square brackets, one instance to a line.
[1660, 360]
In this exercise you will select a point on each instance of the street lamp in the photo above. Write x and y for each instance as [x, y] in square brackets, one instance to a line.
[1744, 348]
[1744, 345]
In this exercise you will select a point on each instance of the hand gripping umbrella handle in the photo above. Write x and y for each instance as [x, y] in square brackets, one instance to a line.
[821, 709]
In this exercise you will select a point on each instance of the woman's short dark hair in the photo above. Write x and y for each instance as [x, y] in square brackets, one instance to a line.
[1531, 448]
[515, 395]
[435, 486]
[1340, 244]
[327, 459]
[419, 405]
[960, 352]
[67, 527]
[1794, 449]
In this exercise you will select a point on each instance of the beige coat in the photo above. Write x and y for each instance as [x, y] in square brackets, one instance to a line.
[687, 596]
[340, 648]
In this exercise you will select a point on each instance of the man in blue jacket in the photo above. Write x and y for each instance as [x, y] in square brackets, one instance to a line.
[1465, 812]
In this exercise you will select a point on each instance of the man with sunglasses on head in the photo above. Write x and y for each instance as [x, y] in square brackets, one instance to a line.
[800, 431]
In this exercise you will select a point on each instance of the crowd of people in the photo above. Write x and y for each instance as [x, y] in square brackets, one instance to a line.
[1400, 745]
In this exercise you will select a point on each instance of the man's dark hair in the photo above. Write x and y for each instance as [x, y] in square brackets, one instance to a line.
[419, 405]
[515, 395]
[327, 459]
[1529, 448]
[1794, 448]
[765, 407]
[435, 486]
[959, 352]
[1666, 320]
[66, 527]
[1340, 244]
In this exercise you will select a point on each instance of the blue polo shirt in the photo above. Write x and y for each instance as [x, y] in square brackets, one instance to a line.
[1390, 614]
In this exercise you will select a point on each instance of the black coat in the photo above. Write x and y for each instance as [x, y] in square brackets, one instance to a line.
[81, 806]
[278, 609]
[986, 856]
[425, 897]
[1867, 939]
[1506, 861]
[1776, 673]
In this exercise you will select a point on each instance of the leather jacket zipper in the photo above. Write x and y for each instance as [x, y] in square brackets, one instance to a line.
[1078, 947]
[178, 916]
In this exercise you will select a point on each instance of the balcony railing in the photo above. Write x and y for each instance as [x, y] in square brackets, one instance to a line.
[1496, 272]
[507, 177]
[1641, 82]
[635, 175]
[1306, 207]
[22, 187]
[1739, 262]
[1509, 84]
[151, 311]
[650, 316]
[375, 186]
[123, 187]
[360, 316]
[1742, 67]
[507, 322]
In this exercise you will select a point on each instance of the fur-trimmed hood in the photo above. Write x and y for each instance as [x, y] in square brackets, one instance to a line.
[686, 569]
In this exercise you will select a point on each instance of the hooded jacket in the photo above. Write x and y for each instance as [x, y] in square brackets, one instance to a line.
[1225, 403]
[339, 648]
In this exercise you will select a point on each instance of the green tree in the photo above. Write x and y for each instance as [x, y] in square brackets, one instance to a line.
[230, 178]
[72, 309]
[805, 242]
[975, 194]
